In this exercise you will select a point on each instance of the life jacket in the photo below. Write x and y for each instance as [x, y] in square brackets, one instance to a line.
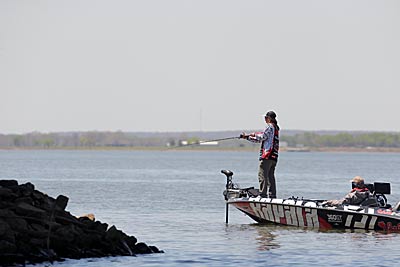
[273, 152]
[364, 189]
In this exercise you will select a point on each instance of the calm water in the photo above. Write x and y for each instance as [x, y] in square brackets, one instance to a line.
[173, 200]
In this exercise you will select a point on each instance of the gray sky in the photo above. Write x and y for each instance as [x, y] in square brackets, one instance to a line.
[198, 65]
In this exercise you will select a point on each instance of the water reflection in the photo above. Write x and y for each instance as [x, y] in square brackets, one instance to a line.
[260, 233]
[265, 239]
[271, 236]
[378, 234]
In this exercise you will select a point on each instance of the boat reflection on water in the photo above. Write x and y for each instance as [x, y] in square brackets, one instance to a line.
[265, 239]
[260, 235]
[268, 235]
[362, 234]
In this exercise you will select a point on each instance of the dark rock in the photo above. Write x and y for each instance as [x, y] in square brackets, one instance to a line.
[53, 225]
[65, 218]
[94, 253]
[37, 195]
[17, 223]
[131, 241]
[42, 234]
[7, 213]
[89, 217]
[89, 240]
[43, 201]
[29, 210]
[44, 255]
[12, 259]
[26, 189]
[7, 247]
[126, 250]
[4, 227]
[24, 246]
[27, 200]
[61, 202]
[142, 248]
[155, 249]
[35, 227]
[38, 227]
[7, 193]
[119, 242]
[6, 233]
[113, 234]
[99, 227]
[8, 183]
[67, 233]
[38, 242]
[86, 221]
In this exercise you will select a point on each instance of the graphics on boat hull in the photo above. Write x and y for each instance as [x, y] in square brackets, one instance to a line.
[309, 214]
[375, 214]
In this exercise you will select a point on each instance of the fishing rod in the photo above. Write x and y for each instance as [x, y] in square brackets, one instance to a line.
[204, 142]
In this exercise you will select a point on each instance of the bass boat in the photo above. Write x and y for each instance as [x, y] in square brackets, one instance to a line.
[374, 213]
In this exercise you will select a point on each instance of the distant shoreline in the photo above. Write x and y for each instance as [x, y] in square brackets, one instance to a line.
[292, 141]
[215, 148]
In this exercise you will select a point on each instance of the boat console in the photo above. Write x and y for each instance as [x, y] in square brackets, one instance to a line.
[378, 198]
[378, 188]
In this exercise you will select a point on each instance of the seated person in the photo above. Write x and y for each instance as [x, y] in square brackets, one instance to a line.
[357, 195]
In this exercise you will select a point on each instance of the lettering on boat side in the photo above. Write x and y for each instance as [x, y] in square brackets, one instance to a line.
[389, 226]
[334, 218]
[289, 215]
[360, 221]
[382, 211]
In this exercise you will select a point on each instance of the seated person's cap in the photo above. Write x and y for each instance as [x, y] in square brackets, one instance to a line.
[357, 180]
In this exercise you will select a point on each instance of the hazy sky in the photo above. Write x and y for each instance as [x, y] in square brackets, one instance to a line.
[198, 65]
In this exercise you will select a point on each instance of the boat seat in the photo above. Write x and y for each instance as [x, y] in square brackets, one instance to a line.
[253, 192]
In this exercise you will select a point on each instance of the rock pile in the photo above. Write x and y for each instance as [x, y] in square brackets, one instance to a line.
[35, 227]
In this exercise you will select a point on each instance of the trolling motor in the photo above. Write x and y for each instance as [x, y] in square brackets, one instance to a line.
[229, 185]
[232, 190]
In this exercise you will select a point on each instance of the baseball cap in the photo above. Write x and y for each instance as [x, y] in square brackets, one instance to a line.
[357, 180]
[270, 114]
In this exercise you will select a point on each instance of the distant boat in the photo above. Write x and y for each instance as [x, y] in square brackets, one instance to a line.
[298, 149]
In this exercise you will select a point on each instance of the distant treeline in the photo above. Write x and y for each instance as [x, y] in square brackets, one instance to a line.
[94, 139]
[123, 139]
[78, 139]
[374, 139]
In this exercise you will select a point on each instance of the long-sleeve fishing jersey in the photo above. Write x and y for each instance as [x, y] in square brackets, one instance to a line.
[269, 142]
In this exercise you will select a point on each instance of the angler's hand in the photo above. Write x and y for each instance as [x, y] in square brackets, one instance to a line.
[325, 203]
[243, 136]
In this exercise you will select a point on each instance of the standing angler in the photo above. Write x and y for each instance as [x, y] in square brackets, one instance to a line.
[268, 154]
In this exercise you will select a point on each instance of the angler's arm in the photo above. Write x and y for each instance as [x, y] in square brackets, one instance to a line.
[255, 137]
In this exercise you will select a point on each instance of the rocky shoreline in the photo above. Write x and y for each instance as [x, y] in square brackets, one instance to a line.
[35, 227]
